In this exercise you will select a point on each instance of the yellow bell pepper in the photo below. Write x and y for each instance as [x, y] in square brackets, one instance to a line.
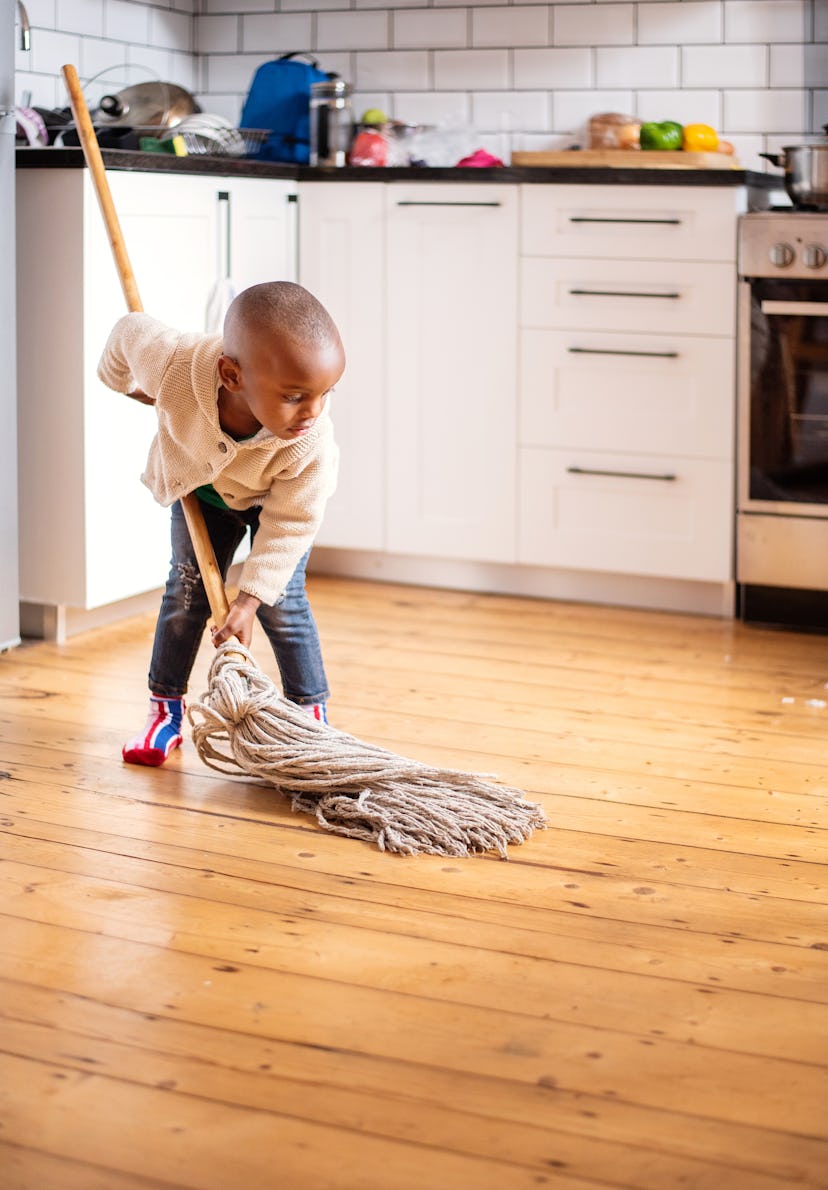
[700, 138]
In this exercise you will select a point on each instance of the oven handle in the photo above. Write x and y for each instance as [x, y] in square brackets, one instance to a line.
[809, 309]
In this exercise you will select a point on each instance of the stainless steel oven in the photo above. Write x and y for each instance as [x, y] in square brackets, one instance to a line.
[782, 499]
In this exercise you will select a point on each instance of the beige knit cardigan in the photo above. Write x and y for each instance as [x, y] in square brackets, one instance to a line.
[290, 480]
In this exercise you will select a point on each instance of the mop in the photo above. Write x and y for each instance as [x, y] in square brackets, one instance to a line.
[244, 725]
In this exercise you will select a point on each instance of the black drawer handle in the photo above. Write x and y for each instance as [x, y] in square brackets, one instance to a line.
[620, 219]
[667, 478]
[609, 351]
[405, 202]
[620, 293]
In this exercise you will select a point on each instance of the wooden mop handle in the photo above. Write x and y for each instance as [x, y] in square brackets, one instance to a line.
[206, 558]
[205, 555]
[94, 160]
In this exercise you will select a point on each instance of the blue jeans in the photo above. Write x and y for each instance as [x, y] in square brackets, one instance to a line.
[289, 624]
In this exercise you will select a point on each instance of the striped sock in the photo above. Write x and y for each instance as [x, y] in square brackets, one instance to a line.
[162, 733]
[317, 710]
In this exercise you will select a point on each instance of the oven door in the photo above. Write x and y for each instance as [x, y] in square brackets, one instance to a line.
[783, 380]
[782, 522]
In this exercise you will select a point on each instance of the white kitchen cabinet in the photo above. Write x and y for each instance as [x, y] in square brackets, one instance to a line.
[657, 515]
[607, 390]
[90, 532]
[679, 297]
[422, 281]
[626, 422]
[342, 262]
[548, 380]
[451, 343]
[630, 222]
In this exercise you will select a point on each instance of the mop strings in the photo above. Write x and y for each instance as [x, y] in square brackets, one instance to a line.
[244, 724]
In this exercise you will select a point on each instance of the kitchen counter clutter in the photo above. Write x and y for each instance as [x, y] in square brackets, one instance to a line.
[539, 396]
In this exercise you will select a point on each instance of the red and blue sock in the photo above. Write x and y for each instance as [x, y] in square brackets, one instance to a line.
[316, 710]
[161, 734]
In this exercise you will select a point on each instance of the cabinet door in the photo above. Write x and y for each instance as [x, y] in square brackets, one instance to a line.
[644, 394]
[169, 226]
[452, 366]
[632, 514]
[654, 296]
[184, 235]
[631, 222]
[342, 257]
[261, 213]
[89, 466]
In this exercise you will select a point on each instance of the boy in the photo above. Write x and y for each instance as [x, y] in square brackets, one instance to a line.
[242, 421]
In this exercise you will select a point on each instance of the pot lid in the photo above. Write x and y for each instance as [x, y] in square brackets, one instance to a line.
[133, 95]
[159, 105]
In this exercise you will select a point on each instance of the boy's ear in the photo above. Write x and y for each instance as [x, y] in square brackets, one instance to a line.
[229, 373]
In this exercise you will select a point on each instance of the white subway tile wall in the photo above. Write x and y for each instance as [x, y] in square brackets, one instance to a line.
[352, 31]
[515, 26]
[572, 109]
[593, 24]
[279, 32]
[691, 22]
[570, 69]
[433, 29]
[724, 65]
[520, 75]
[471, 70]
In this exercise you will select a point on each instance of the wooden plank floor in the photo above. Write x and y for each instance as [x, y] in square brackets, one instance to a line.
[201, 989]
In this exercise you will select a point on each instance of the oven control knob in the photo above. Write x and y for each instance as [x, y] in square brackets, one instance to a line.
[814, 256]
[781, 255]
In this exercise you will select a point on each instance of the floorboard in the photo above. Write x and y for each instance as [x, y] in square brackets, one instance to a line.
[200, 989]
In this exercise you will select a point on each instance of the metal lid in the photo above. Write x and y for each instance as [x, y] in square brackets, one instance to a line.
[331, 88]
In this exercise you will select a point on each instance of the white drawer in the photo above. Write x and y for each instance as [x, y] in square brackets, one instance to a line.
[615, 295]
[633, 514]
[630, 222]
[639, 393]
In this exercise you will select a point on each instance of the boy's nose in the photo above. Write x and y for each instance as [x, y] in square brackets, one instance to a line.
[314, 407]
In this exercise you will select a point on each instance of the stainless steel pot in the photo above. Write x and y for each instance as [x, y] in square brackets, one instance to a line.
[806, 172]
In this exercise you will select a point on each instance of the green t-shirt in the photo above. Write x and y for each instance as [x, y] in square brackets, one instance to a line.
[207, 493]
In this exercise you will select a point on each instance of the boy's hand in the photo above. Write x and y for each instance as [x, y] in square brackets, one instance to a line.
[239, 622]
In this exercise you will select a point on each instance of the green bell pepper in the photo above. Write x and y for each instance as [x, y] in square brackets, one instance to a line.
[666, 135]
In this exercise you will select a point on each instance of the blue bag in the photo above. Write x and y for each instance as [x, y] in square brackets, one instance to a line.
[279, 100]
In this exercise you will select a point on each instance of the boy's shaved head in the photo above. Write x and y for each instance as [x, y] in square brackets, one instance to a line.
[278, 308]
[282, 357]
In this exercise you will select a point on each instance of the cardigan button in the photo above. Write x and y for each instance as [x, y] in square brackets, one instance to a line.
[223, 447]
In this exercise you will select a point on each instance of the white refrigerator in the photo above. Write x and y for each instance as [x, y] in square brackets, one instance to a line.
[9, 586]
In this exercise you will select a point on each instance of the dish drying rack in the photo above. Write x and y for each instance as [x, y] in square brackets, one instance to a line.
[223, 142]
[201, 136]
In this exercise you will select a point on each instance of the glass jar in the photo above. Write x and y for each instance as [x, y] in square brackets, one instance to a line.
[331, 122]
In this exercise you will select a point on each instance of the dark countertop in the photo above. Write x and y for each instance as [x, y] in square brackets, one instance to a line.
[72, 158]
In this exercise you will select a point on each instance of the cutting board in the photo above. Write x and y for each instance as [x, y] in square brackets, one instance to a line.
[628, 159]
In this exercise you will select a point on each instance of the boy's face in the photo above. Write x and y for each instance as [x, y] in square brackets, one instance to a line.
[283, 388]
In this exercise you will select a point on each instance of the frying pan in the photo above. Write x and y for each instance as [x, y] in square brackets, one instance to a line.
[208, 567]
